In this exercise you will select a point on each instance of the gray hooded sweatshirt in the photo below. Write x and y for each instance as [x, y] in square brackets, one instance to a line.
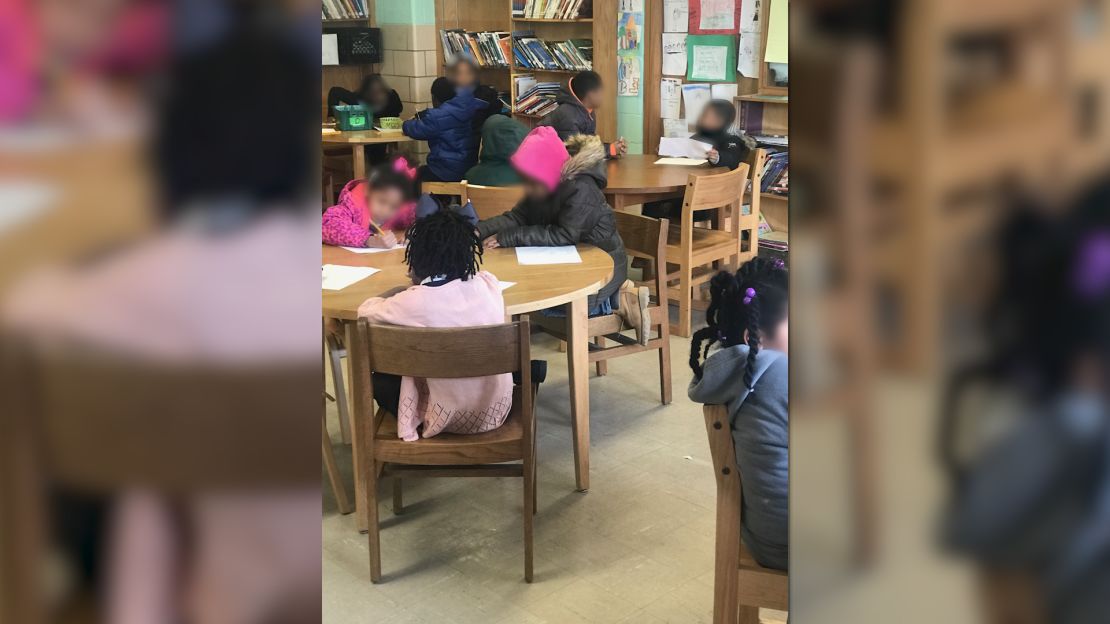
[760, 423]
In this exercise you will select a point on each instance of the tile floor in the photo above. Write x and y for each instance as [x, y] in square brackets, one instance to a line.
[638, 547]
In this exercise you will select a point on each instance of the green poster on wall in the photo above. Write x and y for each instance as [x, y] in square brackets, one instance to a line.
[711, 58]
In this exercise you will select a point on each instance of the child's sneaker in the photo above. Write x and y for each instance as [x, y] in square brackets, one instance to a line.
[633, 310]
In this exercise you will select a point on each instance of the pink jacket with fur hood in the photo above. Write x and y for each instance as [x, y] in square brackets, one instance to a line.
[347, 223]
[464, 405]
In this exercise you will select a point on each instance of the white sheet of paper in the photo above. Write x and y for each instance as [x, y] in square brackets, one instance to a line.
[330, 54]
[723, 91]
[694, 96]
[749, 16]
[676, 16]
[22, 201]
[628, 76]
[548, 255]
[676, 128]
[338, 276]
[674, 54]
[718, 14]
[688, 162]
[368, 250]
[505, 285]
[670, 98]
[631, 6]
[778, 32]
[709, 63]
[683, 148]
[747, 54]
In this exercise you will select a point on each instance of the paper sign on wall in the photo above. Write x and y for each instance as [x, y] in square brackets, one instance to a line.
[630, 29]
[676, 128]
[710, 57]
[694, 97]
[676, 15]
[723, 91]
[628, 76]
[330, 54]
[631, 6]
[714, 17]
[674, 54]
[778, 33]
[670, 98]
[747, 54]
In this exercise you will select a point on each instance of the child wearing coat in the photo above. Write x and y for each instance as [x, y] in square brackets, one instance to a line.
[370, 211]
[448, 127]
[749, 375]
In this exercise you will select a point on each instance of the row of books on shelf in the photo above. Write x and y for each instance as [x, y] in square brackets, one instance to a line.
[487, 49]
[551, 9]
[570, 55]
[344, 9]
[776, 173]
[534, 98]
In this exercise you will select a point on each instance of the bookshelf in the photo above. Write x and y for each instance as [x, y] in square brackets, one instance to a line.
[599, 26]
[346, 76]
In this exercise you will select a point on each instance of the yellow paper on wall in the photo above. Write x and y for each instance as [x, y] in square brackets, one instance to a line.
[778, 33]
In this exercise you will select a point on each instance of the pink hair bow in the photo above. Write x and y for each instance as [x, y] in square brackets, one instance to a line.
[400, 166]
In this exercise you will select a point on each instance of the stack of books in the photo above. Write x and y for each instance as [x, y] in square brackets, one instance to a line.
[535, 98]
[776, 174]
[344, 9]
[551, 9]
[487, 49]
[533, 53]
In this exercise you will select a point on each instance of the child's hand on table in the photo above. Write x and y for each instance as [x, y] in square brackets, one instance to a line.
[622, 147]
[385, 240]
[491, 243]
[712, 155]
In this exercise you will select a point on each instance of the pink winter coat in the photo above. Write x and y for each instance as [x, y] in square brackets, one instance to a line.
[464, 405]
[347, 224]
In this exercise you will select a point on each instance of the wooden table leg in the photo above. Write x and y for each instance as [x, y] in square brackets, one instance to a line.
[358, 153]
[360, 410]
[578, 363]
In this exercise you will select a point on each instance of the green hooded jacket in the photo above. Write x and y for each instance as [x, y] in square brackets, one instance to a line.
[500, 138]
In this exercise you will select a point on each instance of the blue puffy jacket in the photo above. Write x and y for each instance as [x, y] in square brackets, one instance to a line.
[449, 131]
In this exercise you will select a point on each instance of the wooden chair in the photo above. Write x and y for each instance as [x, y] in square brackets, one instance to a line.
[454, 189]
[740, 585]
[490, 201]
[439, 354]
[643, 237]
[336, 479]
[336, 353]
[694, 250]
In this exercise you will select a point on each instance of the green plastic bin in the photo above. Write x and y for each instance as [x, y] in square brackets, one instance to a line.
[352, 117]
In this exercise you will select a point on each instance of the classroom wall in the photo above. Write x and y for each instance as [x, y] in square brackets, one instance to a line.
[409, 60]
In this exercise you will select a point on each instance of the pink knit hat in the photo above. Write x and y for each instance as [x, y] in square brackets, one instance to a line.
[541, 156]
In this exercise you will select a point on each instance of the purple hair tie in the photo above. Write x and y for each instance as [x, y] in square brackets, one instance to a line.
[1091, 277]
[779, 263]
[749, 294]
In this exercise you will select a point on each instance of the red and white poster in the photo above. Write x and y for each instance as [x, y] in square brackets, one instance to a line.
[715, 17]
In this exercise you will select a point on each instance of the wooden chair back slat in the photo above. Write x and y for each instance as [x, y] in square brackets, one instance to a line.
[444, 353]
[491, 201]
[646, 238]
[443, 188]
[715, 191]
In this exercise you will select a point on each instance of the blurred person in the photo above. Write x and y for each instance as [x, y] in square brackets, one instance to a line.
[747, 316]
[501, 136]
[583, 94]
[463, 74]
[370, 210]
[448, 127]
[373, 93]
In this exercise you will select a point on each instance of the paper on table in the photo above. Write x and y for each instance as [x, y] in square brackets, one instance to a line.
[330, 52]
[505, 285]
[369, 250]
[778, 33]
[689, 162]
[22, 201]
[338, 276]
[676, 128]
[670, 98]
[548, 255]
[674, 54]
[723, 91]
[683, 148]
[676, 15]
[695, 96]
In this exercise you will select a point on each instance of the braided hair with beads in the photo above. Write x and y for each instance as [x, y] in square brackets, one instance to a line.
[443, 243]
[743, 307]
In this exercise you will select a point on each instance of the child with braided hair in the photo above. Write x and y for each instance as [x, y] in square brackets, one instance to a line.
[748, 374]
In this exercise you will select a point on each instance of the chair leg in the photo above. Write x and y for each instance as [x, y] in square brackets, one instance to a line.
[340, 393]
[372, 526]
[398, 497]
[748, 615]
[535, 480]
[665, 363]
[334, 477]
[685, 301]
[529, 513]
[602, 365]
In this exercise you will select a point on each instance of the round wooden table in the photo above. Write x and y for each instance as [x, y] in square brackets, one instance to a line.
[537, 287]
[358, 138]
[636, 179]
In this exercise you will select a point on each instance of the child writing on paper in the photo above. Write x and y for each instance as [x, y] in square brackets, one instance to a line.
[443, 255]
[747, 317]
[370, 211]
[564, 205]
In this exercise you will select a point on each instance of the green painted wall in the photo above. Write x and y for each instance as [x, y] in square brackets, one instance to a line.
[405, 11]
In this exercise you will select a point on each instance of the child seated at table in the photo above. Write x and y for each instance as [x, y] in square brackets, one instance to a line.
[448, 127]
[714, 127]
[449, 290]
[583, 94]
[370, 210]
[564, 205]
[747, 316]
[501, 136]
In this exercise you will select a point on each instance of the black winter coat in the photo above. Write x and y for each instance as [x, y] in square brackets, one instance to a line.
[575, 213]
[572, 118]
[731, 149]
